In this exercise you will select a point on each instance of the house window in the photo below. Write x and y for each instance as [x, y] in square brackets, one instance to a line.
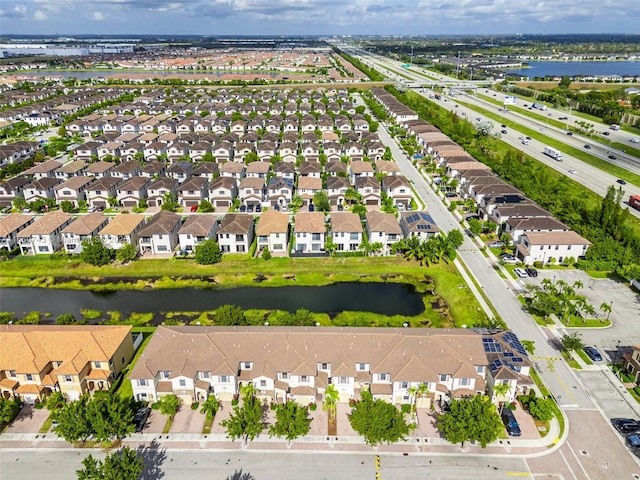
[284, 375]
[123, 360]
[12, 373]
[142, 382]
[442, 377]
[29, 377]
[263, 383]
[303, 379]
[224, 379]
[96, 364]
[183, 382]
[353, 236]
[166, 374]
[464, 381]
[362, 367]
[247, 365]
[315, 236]
[383, 377]
[404, 385]
[239, 238]
[342, 380]
[323, 366]
[205, 375]
[68, 378]
[479, 369]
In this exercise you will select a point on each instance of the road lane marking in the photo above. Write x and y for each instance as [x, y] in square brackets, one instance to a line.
[518, 474]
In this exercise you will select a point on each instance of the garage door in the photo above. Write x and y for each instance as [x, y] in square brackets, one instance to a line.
[372, 202]
[130, 203]
[222, 203]
[100, 204]
[191, 203]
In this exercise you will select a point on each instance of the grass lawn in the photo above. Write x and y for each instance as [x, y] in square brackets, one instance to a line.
[238, 271]
[167, 426]
[580, 322]
[569, 359]
[567, 149]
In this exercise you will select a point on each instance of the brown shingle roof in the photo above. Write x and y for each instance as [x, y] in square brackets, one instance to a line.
[123, 224]
[309, 222]
[48, 224]
[272, 221]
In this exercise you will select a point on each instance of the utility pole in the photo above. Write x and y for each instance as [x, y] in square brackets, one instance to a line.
[458, 66]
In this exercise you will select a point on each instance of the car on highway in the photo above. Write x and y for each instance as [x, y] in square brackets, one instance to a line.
[612, 157]
[463, 114]
[634, 140]
[504, 132]
[588, 147]
[503, 126]
[525, 142]
[606, 134]
[626, 425]
[496, 244]
[532, 272]
[510, 422]
[140, 418]
[542, 129]
[621, 182]
[572, 171]
[593, 354]
[527, 138]
[521, 272]
[456, 106]
[570, 133]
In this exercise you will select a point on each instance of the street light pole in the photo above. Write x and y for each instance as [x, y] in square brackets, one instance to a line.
[609, 312]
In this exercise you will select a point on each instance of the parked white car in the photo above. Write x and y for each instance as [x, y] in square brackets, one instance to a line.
[521, 272]
[506, 258]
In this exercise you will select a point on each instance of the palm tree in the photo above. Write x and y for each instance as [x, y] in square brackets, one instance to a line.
[248, 391]
[605, 308]
[501, 390]
[421, 390]
[578, 284]
[331, 397]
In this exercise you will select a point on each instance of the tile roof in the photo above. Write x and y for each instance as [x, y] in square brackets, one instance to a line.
[272, 221]
[198, 225]
[236, 223]
[123, 224]
[29, 348]
[47, 224]
[12, 222]
[86, 224]
[383, 222]
[345, 222]
[163, 222]
[309, 222]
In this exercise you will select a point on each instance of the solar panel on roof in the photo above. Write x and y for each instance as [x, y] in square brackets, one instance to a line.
[508, 354]
[517, 359]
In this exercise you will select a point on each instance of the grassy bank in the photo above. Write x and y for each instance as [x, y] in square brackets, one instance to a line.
[447, 302]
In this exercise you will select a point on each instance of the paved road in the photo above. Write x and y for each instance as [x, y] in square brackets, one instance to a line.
[182, 464]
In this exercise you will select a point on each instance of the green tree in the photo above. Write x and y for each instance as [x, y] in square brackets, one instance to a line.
[246, 420]
[455, 238]
[541, 409]
[120, 465]
[292, 421]
[572, 341]
[331, 397]
[208, 253]
[565, 81]
[475, 226]
[471, 419]
[9, 408]
[378, 421]
[73, 420]
[321, 201]
[94, 252]
[266, 254]
[55, 401]
[206, 207]
[19, 203]
[170, 202]
[500, 392]
[529, 346]
[230, 315]
[126, 253]
[169, 405]
[210, 407]
[67, 206]
[111, 418]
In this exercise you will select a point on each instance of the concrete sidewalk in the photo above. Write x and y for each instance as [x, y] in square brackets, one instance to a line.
[342, 444]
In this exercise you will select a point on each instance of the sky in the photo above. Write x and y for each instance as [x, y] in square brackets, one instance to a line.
[317, 17]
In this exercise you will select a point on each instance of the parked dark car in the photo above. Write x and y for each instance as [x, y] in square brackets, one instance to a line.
[250, 208]
[312, 207]
[140, 418]
[258, 208]
[621, 182]
[276, 207]
[532, 272]
[340, 207]
[243, 208]
[509, 420]
[593, 354]
[626, 425]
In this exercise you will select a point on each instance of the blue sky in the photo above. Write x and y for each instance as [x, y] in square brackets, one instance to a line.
[318, 17]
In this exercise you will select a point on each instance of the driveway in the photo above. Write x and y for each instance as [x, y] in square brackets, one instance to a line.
[155, 423]
[29, 420]
[188, 421]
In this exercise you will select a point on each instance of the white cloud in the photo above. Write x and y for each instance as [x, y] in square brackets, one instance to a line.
[39, 15]
[98, 16]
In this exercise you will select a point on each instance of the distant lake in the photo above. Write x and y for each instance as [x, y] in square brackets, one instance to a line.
[543, 69]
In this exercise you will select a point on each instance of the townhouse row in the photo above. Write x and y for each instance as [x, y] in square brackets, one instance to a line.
[166, 232]
[418, 366]
[536, 234]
